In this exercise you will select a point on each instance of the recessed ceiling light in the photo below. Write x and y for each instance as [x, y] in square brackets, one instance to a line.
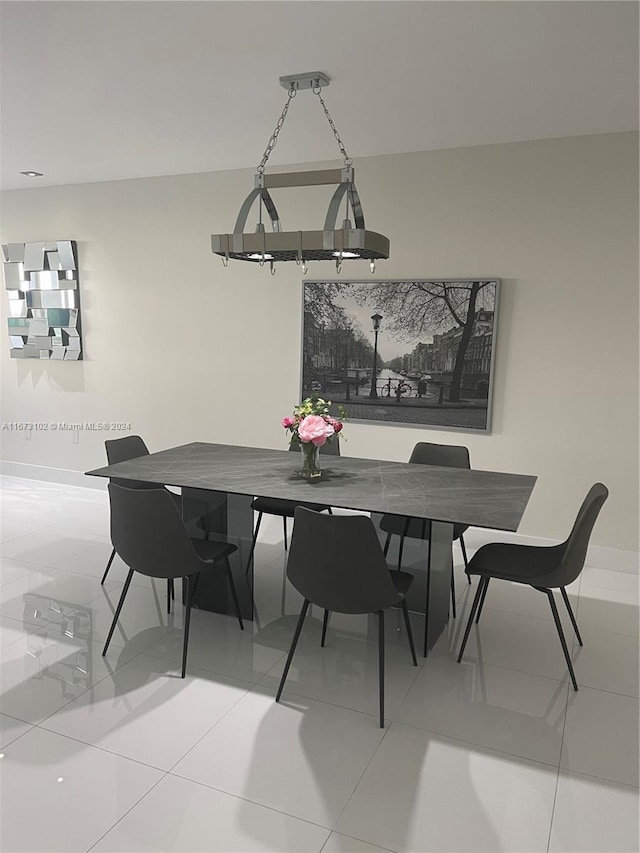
[33, 174]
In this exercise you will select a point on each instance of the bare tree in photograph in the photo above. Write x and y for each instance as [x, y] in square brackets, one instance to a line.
[329, 328]
[413, 308]
[319, 302]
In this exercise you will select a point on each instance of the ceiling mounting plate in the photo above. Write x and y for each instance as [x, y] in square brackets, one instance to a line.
[306, 80]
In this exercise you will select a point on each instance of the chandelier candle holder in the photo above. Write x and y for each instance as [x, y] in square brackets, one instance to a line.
[348, 242]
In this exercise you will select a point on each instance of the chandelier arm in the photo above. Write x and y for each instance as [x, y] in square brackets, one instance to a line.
[334, 206]
[271, 210]
[356, 206]
[247, 204]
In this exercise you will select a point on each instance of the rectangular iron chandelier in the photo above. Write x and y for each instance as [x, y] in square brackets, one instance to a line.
[348, 242]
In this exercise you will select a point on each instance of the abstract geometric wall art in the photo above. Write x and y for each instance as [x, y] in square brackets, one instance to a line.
[41, 280]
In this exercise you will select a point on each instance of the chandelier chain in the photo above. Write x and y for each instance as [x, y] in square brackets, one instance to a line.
[317, 90]
[273, 139]
[271, 144]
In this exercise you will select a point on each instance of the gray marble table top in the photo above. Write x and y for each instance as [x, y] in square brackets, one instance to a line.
[479, 498]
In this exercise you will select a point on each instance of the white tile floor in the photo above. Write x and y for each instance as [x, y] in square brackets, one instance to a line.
[120, 754]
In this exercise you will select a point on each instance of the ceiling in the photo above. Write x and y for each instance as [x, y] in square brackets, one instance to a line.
[99, 91]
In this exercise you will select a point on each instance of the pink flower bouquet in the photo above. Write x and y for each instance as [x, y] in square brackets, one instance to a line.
[311, 422]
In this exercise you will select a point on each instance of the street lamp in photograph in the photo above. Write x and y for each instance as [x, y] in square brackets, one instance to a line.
[373, 394]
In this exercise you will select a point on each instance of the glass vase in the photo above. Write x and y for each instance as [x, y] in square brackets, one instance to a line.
[310, 461]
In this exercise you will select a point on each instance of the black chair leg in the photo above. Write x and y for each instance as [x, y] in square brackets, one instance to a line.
[118, 609]
[196, 581]
[253, 544]
[474, 607]
[381, 663]
[400, 550]
[571, 616]
[325, 622]
[464, 556]
[170, 593]
[233, 592]
[427, 601]
[387, 541]
[407, 622]
[284, 527]
[453, 593]
[187, 622]
[482, 598]
[294, 643]
[556, 619]
[106, 571]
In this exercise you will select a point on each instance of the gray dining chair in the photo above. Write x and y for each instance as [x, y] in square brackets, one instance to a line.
[286, 508]
[446, 456]
[544, 568]
[336, 562]
[122, 450]
[150, 537]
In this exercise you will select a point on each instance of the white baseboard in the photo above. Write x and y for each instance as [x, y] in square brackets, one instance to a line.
[602, 557]
[63, 476]
[614, 559]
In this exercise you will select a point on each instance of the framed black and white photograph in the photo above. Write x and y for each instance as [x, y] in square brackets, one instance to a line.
[417, 352]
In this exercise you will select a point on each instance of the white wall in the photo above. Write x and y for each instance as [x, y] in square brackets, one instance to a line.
[186, 350]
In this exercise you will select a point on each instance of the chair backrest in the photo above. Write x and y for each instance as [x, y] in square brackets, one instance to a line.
[330, 448]
[575, 547]
[123, 449]
[447, 456]
[148, 533]
[336, 562]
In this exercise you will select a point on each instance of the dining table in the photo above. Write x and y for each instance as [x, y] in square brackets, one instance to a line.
[219, 482]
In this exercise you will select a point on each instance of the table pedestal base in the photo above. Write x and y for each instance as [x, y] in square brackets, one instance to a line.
[430, 562]
[209, 514]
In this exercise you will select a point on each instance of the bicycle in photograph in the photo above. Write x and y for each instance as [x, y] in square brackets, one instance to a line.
[396, 388]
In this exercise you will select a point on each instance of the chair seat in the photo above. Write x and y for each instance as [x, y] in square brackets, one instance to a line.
[402, 581]
[283, 507]
[527, 564]
[210, 550]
